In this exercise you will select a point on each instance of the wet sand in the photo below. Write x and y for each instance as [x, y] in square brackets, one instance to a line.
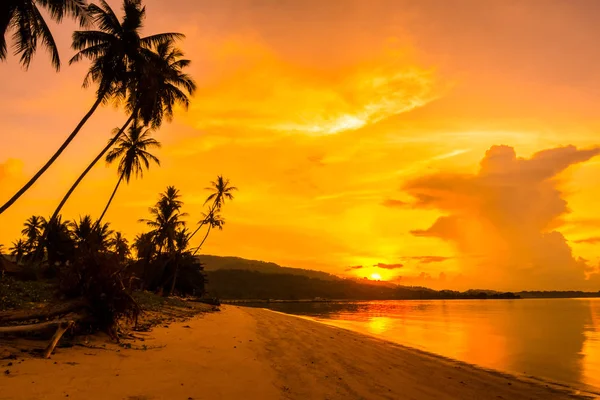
[245, 353]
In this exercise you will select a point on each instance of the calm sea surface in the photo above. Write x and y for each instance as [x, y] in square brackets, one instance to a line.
[554, 339]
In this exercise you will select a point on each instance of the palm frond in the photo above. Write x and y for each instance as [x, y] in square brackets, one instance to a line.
[43, 32]
[154, 41]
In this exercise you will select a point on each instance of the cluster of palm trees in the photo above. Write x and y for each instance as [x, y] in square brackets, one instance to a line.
[165, 249]
[83, 234]
[160, 253]
[144, 75]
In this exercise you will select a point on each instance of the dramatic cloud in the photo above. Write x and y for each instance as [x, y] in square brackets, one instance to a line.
[323, 103]
[388, 266]
[508, 212]
[590, 240]
[428, 259]
[394, 203]
[354, 268]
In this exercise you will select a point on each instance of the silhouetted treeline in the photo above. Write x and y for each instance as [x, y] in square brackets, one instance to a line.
[557, 294]
[252, 285]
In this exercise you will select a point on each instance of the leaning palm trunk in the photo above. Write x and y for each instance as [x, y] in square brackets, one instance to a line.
[54, 157]
[98, 157]
[111, 199]
[203, 240]
[212, 210]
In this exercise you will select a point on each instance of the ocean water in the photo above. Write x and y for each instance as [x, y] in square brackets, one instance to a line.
[552, 339]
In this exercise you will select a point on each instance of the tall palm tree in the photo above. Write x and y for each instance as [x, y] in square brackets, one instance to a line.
[162, 84]
[26, 20]
[182, 240]
[19, 249]
[132, 149]
[221, 191]
[33, 230]
[118, 54]
[166, 220]
[151, 96]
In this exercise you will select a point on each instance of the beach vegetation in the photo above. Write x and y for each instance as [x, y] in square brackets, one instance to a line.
[90, 266]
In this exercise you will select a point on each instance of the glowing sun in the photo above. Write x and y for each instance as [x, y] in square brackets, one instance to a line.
[375, 276]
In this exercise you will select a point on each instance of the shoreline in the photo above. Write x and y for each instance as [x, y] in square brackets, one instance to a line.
[252, 353]
[242, 302]
[585, 391]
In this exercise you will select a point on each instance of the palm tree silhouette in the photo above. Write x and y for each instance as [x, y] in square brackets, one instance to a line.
[19, 249]
[33, 230]
[161, 85]
[57, 241]
[221, 191]
[26, 20]
[166, 220]
[118, 55]
[134, 156]
[88, 235]
[145, 246]
[151, 97]
[120, 246]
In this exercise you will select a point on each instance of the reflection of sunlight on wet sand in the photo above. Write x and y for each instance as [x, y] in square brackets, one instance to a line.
[591, 346]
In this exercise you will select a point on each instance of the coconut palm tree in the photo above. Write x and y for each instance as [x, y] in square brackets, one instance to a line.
[221, 191]
[151, 96]
[19, 249]
[33, 230]
[166, 220]
[132, 149]
[82, 230]
[118, 54]
[88, 235]
[120, 246]
[145, 246]
[162, 85]
[24, 18]
[56, 241]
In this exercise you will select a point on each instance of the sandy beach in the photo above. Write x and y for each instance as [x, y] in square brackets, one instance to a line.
[245, 353]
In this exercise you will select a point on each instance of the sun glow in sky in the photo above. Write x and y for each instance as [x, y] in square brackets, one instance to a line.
[449, 145]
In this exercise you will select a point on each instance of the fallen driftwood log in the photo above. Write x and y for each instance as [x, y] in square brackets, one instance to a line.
[42, 326]
[62, 328]
[63, 325]
[42, 313]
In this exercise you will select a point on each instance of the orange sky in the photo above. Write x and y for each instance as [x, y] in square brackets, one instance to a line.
[360, 134]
